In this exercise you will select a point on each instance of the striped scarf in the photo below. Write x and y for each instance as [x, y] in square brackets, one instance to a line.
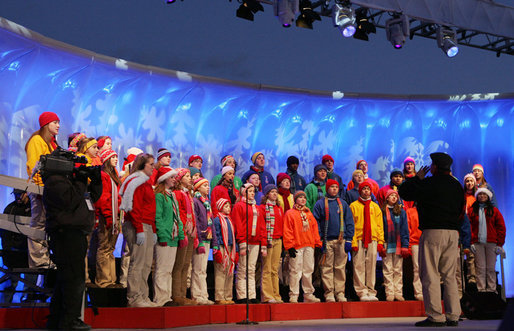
[171, 195]
[229, 258]
[270, 220]
[305, 220]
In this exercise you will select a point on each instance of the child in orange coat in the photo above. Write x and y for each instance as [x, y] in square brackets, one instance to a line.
[301, 236]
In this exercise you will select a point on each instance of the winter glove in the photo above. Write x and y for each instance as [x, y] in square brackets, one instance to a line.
[155, 238]
[200, 250]
[473, 249]
[355, 248]
[264, 251]
[404, 253]
[242, 249]
[183, 243]
[466, 251]
[140, 238]
[196, 242]
[381, 251]
[499, 250]
[218, 257]
[236, 261]
[348, 246]
[163, 244]
[292, 252]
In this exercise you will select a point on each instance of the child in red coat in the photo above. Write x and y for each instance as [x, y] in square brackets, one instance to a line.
[249, 236]
[487, 238]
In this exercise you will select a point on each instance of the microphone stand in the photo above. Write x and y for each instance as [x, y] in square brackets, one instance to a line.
[247, 320]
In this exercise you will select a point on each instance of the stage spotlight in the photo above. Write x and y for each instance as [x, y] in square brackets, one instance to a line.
[364, 26]
[447, 42]
[397, 30]
[344, 19]
[307, 15]
[248, 8]
[286, 11]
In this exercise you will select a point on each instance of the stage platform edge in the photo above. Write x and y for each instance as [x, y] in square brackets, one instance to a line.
[168, 317]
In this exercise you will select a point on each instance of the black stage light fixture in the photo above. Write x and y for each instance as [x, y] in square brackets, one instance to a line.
[364, 26]
[344, 18]
[397, 30]
[447, 42]
[307, 15]
[286, 11]
[248, 8]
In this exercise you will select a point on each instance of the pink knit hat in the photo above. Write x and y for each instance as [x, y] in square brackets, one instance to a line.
[389, 192]
[181, 173]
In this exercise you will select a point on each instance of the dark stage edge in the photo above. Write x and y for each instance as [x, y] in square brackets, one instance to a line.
[168, 317]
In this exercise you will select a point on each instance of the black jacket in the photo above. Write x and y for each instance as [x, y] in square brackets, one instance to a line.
[65, 202]
[440, 201]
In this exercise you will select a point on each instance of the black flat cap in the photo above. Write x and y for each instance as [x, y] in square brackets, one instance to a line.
[443, 161]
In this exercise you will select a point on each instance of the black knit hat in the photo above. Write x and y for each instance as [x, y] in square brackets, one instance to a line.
[395, 172]
[292, 160]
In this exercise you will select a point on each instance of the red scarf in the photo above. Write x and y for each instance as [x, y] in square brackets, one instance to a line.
[367, 222]
[53, 143]
[285, 193]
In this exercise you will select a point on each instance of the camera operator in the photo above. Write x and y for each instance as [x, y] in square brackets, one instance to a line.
[68, 198]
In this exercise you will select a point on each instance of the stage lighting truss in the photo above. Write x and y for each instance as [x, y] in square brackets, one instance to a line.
[307, 15]
[344, 18]
[397, 30]
[286, 11]
[248, 8]
[446, 41]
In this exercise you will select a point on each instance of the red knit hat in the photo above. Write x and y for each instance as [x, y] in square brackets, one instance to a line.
[326, 158]
[107, 154]
[389, 192]
[199, 182]
[181, 173]
[164, 173]
[331, 182]
[359, 162]
[194, 157]
[47, 117]
[221, 203]
[281, 176]
[363, 185]
[102, 141]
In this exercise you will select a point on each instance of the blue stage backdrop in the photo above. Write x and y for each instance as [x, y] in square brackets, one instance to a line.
[152, 108]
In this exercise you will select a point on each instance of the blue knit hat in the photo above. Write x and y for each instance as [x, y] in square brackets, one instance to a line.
[268, 188]
[319, 167]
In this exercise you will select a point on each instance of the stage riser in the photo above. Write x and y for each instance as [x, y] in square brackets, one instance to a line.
[167, 317]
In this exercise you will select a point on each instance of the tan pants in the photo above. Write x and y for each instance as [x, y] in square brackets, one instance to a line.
[301, 268]
[364, 269]
[223, 281]
[38, 251]
[253, 255]
[438, 251]
[180, 269]
[164, 262]
[458, 274]
[392, 269]
[333, 271]
[415, 270]
[199, 275]
[141, 258]
[270, 266]
[485, 262]
[105, 261]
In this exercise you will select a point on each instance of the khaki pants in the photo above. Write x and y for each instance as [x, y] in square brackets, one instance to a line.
[438, 250]
[392, 269]
[141, 258]
[415, 270]
[223, 281]
[458, 274]
[485, 262]
[38, 251]
[180, 269]
[333, 271]
[364, 269]
[253, 255]
[105, 261]
[199, 275]
[164, 262]
[301, 268]
[270, 266]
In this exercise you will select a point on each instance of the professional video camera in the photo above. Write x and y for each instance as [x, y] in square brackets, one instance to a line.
[63, 162]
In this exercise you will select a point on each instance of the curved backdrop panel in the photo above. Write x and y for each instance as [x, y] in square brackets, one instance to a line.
[152, 108]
